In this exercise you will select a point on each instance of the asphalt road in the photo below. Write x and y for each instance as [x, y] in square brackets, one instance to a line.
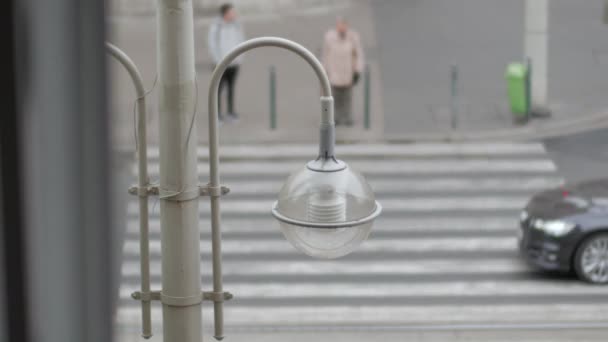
[442, 257]
[581, 156]
[419, 40]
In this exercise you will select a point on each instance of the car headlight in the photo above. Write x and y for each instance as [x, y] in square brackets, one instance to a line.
[554, 228]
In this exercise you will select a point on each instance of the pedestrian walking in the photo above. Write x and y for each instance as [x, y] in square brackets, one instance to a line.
[225, 33]
[343, 60]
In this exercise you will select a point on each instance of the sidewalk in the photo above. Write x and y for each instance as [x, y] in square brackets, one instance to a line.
[298, 107]
[420, 42]
[410, 77]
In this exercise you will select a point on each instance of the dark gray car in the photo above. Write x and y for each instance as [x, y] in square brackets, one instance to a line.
[566, 229]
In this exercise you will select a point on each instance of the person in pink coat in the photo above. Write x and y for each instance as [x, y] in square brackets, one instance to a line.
[343, 59]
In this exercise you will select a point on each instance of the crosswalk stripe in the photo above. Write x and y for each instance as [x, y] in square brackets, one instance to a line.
[444, 193]
[405, 186]
[131, 268]
[253, 247]
[384, 187]
[402, 224]
[378, 289]
[426, 204]
[303, 315]
[369, 150]
[382, 167]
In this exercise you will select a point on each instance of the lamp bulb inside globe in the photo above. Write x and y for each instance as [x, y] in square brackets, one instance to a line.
[327, 206]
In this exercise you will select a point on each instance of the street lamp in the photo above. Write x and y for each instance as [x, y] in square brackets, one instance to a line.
[325, 210]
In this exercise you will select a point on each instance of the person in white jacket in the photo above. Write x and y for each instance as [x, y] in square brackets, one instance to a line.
[224, 34]
[343, 60]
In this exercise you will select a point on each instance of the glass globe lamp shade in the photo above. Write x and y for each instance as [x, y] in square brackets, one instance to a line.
[326, 212]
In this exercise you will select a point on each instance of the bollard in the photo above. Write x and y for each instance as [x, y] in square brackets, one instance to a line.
[273, 98]
[528, 87]
[454, 96]
[366, 98]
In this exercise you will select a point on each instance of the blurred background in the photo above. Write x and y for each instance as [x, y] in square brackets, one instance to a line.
[436, 129]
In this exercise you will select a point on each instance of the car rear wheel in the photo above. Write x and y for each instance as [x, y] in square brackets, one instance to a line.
[591, 259]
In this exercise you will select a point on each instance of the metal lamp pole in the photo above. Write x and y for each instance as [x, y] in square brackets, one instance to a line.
[143, 182]
[326, 145]
[178, 190]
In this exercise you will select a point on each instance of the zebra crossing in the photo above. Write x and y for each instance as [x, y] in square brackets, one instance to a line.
[443, 252]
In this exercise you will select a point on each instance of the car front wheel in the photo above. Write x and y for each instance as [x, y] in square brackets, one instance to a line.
[591, 259]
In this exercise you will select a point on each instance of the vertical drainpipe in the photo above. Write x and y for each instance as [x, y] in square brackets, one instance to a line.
[178, 193]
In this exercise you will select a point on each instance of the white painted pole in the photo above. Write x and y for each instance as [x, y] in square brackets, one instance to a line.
[143, 182]
[326, 144]
[181, 277]
[536, 38]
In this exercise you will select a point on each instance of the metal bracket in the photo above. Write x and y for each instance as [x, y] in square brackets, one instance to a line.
[180, 301]
[216, 297]
[146, 296]
[213, 191]
[180, 196]
[203, 190]
[149, 190]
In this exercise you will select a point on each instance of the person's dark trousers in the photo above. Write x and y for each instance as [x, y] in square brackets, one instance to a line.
[343, 104]
[228, 81]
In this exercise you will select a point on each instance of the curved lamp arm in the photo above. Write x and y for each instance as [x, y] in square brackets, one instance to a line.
[130, 66]
[326, 145]
[143, 181]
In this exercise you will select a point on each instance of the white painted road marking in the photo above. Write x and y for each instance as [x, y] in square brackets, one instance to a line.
[338, 267]
[426, 204]
[253, 247]
[421, 314]
[365, 150]
[378, 289]
[476, 187]
[382, 224]
[381, 167]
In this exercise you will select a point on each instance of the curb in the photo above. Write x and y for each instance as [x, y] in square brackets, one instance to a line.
[207, 9]
[534, 131]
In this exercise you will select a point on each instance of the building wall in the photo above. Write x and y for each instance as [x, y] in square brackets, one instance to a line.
[209, 7]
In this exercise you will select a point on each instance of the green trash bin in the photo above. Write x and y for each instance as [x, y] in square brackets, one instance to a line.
[517, 87]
